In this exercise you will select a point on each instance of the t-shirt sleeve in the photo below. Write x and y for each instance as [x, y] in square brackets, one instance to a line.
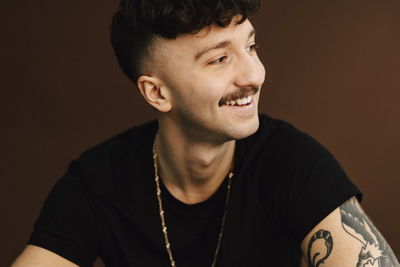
[313, 185]
[66, 224]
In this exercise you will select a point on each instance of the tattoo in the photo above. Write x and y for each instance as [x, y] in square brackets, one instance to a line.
[375, 251]
[320, 234]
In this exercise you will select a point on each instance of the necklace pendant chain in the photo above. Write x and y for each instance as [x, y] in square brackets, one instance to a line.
[162, 213]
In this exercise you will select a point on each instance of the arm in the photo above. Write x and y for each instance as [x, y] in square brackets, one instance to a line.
[34, 256]
[347, 237]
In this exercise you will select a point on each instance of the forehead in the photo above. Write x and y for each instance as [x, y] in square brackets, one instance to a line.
[189, 44]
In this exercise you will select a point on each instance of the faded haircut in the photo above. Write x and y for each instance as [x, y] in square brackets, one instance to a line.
[138, 22]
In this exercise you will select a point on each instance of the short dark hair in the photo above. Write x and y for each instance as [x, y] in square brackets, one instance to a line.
[137, 22]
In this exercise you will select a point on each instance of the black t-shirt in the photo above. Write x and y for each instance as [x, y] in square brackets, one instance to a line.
[105, 206]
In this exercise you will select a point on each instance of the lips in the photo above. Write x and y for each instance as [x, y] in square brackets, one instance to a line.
[243, 110]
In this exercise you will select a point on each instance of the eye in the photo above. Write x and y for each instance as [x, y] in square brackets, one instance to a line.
[253, 47]
[219, 60]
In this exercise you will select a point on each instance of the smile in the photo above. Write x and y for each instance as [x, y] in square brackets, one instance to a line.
[239, 101]
[239, 98]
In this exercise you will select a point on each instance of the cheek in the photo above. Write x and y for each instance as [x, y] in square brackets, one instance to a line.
[203, 89]
[196, 87]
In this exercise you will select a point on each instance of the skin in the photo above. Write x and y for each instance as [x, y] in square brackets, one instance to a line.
[34, 256]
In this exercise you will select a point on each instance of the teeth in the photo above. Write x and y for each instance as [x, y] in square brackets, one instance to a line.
[239, 101]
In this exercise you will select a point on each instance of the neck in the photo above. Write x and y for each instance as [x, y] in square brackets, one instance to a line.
[190, 169]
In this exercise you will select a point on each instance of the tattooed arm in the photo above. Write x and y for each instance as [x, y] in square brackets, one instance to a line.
[347, 237]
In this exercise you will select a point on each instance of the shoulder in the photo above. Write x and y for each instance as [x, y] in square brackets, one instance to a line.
[280, 141]
[107, 154]
[296, 173]
[287, 136]
[104, 168]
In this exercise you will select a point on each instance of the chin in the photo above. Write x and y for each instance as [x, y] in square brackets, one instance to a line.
[246, 129]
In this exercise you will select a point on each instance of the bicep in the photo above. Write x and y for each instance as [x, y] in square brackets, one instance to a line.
[34, 256]
[347, 237]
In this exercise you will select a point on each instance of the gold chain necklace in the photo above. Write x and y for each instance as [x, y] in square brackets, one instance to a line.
[161, 210]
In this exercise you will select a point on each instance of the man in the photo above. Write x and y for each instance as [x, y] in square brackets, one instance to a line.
[211, 182]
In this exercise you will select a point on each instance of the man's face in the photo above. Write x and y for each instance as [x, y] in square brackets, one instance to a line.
[213, 79]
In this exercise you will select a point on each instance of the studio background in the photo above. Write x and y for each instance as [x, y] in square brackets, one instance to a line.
[333, 70]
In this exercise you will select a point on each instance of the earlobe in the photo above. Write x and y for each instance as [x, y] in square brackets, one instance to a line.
[154, 93]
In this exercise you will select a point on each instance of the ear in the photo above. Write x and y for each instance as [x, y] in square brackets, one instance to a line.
[155, 93]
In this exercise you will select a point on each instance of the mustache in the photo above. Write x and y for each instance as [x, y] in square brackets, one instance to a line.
[240, 93]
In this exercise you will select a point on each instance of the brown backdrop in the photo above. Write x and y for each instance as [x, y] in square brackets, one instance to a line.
[333, 71]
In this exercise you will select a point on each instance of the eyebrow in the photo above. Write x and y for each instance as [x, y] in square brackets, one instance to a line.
[219, 45]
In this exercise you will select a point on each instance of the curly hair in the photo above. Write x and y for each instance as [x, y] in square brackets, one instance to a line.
[137, 22]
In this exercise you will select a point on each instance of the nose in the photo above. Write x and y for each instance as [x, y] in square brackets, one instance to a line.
[249, 71]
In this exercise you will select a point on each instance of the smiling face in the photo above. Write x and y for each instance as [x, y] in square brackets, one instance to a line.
[211, 80]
